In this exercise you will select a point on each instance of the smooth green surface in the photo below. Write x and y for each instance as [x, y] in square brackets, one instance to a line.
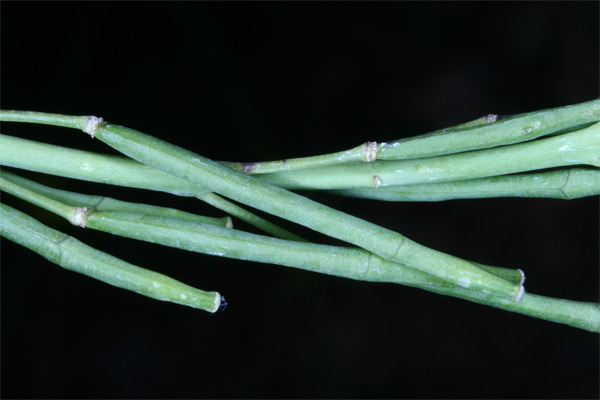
[481, 133]
[385, 243]
[88, 166]
[575, 148]
[338, 261]
[347, 262]
[515, 129]
[116, 170]
[142, 221]
[122, 171]
[74, 255]
[211, 239]
[570, 183]
[61, 200]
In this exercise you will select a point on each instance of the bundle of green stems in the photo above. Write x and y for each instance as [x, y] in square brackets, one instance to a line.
[552, 153]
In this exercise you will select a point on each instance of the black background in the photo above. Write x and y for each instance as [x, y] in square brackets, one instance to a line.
[259, 81]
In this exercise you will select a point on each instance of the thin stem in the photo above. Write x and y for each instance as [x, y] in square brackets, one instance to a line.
[245, 215]
[579, 147]
[116, 170]
[65, 204]
[515, 129]
[482, 133]
[72, 254]
[338, 261]
[67, 121]
[88, 166]
[365, 152]
[62, 202]
[274, 200]
[244, 189]
[562, 184]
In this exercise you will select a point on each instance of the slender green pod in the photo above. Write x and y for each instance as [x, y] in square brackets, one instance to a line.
[575, 148]
[74, 255]
[274, 200]
[569, 183]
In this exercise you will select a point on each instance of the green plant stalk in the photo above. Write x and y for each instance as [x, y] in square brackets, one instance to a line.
[561, 184]
[573, 313]
[89, 166]
[482, 133]
[579, 147]
[66, 162]
[43, 196]
[515, 129]
[338, 261]
[245, 215]
[388, 244]
[225, 181]
[122, 171]
[344, 262]
[74, 255]
[410, 256]
[64, 204]
[116, 170]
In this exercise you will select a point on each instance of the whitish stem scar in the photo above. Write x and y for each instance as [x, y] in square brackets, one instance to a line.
[79, 216]
[370, 151]
[92, 124]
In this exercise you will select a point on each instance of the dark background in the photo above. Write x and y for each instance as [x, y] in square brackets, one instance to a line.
[259, 81]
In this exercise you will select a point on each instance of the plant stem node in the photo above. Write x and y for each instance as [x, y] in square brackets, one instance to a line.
[92, 125]
[79, 216]
[370, 151]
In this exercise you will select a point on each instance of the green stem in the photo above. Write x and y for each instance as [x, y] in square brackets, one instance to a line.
[72, 254]
[364, 152]
[579, 147]
[274, 200]
[76, 208]
[562, 184]
[61, 202]
[482, 133]
[515, 129]
[66, 121]
[338, 261]
[115, 170]
[244, 189]
[245, 215]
